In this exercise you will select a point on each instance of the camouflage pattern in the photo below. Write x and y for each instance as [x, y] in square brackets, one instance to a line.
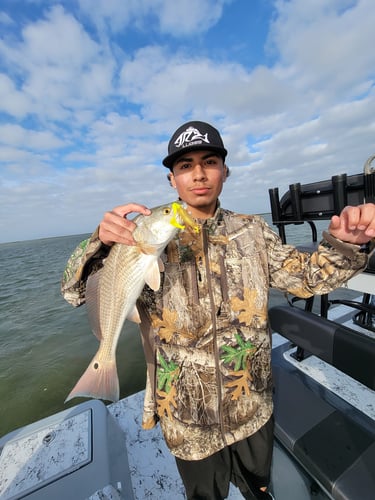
[87, 258]
[205, 332]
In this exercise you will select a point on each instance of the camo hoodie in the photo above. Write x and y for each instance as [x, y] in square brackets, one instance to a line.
[205, 332]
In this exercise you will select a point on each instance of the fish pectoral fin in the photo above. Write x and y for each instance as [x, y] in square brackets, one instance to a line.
[161, 265]
[134, 315]
[152, 276]
[147, 249]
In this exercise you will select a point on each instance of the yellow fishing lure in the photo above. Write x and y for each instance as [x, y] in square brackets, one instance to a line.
[178, 209]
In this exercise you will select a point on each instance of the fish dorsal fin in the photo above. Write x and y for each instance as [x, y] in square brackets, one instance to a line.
[93, 303]
[152, 276]
[134, 315]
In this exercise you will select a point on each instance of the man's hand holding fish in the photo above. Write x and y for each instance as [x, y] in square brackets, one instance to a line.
[116, 228]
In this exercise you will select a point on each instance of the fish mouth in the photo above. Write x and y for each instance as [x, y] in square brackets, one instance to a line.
[180, 216]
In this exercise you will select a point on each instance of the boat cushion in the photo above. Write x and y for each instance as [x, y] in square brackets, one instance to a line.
[334, 442]
[350, 351]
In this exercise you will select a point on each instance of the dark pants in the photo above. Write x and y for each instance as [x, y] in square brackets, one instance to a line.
[246, 464]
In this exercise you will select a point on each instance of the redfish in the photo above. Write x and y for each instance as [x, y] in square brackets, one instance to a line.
[112, 293]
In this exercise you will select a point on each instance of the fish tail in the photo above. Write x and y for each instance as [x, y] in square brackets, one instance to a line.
[99, 381]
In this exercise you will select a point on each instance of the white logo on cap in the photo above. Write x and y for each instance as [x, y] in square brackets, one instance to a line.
[191, 135]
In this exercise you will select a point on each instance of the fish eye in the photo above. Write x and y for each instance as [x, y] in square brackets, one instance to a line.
[167, 211]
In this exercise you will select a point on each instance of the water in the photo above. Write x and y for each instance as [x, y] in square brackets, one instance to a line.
[46, 344]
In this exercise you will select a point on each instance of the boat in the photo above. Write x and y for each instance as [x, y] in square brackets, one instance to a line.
[323, 361]
[324, 364]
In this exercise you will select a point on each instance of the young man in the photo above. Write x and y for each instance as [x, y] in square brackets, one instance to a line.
[205, 332]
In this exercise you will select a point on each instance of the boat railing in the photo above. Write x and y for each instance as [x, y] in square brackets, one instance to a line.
[308, 203]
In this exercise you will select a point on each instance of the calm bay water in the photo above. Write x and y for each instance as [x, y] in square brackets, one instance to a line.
[46, 344]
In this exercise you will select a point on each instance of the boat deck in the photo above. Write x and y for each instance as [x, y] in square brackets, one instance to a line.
[152, 467]
[119, 460]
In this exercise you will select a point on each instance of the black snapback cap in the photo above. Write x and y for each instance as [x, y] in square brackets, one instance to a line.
[192, 136]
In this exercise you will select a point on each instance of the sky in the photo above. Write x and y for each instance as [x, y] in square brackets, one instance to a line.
[92, 90]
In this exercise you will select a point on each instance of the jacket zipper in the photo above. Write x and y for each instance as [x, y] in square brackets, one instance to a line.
[214, 331]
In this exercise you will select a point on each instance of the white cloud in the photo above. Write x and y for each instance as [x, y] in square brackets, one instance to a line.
[324, 45]
[176, 17]
[168, 84]
[85, 115]
[5, 19]
[42, 41]
[15, 135]
[61, 68]
[17, 158]
[13, 101]
[182, 17]
[115, 14]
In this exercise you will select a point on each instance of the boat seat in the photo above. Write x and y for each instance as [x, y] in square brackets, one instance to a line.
[350, 351]
[329, 438]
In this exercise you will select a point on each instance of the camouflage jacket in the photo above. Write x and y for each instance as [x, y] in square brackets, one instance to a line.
[205, 332]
